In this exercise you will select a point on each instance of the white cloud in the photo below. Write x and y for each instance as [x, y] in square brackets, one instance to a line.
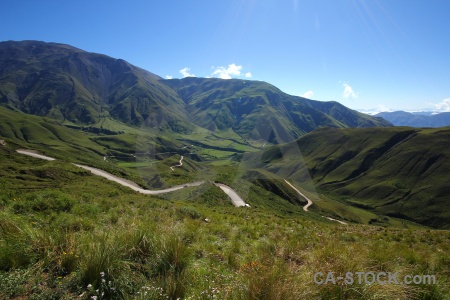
[374, 111]
[349, 92]
[443, 106]
[248, 75]
[169, 77]
[308, 94]
[185, 72]
[226, 73]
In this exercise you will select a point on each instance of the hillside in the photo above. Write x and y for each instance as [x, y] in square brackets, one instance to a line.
[71, 85]
[81, 88]
[66, 233]
[399, 172]
[402, 118]
[260, 111]
[219, 126]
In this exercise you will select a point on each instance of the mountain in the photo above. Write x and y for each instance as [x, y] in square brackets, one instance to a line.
[398, 171]
[78, 87]
[259, 110]
[402, 118]
[68, 84]
[423, 112]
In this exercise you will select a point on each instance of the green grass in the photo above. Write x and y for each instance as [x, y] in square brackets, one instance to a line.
[341, 210]
[79, 234]
[212, 154]
[135, 164]
[348, 200]
[400, 172]
[54, 139]
[65, 232]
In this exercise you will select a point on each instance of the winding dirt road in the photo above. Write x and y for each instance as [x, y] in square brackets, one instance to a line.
[331, 219]
[235, 199]
[34, 154]
[181, 163]
[133, 185]
[309, 203]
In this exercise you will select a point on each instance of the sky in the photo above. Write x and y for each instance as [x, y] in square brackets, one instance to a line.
[372, 55]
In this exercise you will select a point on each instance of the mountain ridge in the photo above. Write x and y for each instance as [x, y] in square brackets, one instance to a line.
[239, 103]
[74, 86]
[403, 118]
[64, 82]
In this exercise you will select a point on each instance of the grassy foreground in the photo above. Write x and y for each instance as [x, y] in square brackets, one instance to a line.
[67, 234]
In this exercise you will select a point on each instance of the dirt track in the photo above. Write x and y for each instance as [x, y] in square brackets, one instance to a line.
[237, 201]
[309, 203]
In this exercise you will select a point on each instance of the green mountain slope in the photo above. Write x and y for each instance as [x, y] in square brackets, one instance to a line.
[82, 88]
[69, 84]
[258, 110]
[52, 138]
[400, 172]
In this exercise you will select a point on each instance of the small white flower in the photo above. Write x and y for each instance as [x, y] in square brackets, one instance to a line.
[89, 286]
[102, 274]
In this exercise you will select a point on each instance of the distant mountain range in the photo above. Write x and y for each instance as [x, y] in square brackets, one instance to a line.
[423, 119]
[78, 87]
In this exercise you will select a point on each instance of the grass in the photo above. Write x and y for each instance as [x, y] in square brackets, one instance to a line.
[398, 172]
[153, 171]
[65, 233]
[79, 234]
[54, 139]
[342, 211]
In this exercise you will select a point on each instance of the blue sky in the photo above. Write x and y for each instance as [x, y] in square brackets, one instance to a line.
[386, 54]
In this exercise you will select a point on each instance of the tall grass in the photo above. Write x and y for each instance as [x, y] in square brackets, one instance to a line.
[87, 238]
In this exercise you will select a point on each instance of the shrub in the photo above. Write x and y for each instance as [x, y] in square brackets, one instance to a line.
[190, 212]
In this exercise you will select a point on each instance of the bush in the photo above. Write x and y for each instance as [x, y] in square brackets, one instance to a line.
[188, 212]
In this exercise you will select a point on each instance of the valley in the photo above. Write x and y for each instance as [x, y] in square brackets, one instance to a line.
[79, 225]
[235, 132]
[205, 188]
[237, 201]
